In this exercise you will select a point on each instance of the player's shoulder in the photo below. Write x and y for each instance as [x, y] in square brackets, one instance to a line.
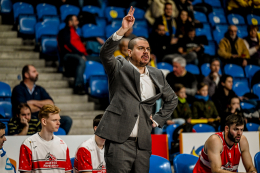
[30, 140]
[59, 141]
[88, 144]
[243, 142]
[215, 139]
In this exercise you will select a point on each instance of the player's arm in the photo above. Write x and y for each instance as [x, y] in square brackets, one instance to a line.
[246, 157]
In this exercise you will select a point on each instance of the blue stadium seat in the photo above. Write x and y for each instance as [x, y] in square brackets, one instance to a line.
[242, 31]
[72, 161]
[93, 68]
[22, 8]
[252, 126]
[213, 3]
[210, 48]
[45, 29]
[94, 46]
[184, 163]
[165, 66]
[169, 131]
[110, 29]
[205, 69]
[26, 24]
[90, 30]
[98, 86]
[206, 30]
[257, 161]
[200, 128]
[79, 31]
[45, 9]
[159, 165]
[200, 17]
[234, 70]
[140, 31]
[139, 13]
[236, 19]
[6, 6]
[256, 90]
[7, 107]
[5, 92]
[245, 105]
[93, 10]
[140, 23]
[101, 22]
[217, 19]
[62, 25]
[240, 88]
[251, 70]
[193, 69]
[51, 19]
[66, 10]
[196, 2]
[114, 13]
[219, 32]
[253, 19]
[218, 10]
[61, 131]
[117, 22]
[49, 45]
[2, 112]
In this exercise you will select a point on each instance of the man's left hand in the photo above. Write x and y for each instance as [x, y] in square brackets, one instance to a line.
[154, 124]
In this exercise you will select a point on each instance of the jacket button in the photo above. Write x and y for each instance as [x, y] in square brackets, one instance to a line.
[136, 115]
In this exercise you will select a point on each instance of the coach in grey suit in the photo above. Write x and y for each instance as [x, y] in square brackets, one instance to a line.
[134, 88]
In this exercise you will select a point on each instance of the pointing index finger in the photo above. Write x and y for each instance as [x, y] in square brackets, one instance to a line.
[130, 10]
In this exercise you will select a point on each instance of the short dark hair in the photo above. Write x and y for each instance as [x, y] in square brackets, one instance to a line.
[69, 18]
[132, 42]
[177, 87]
[25, 70]
[252, 27]
[159, 24]
[213, 60]
[234, 119]
[224, 78]
[201, 85]
[190, 29]
[2, 126]
[167, 3]
[97, 119]
[21, 106]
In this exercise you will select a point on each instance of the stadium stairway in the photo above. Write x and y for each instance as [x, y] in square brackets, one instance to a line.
[14, 55]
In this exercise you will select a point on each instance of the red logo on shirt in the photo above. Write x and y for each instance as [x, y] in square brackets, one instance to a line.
[61, 142]
[50, 157]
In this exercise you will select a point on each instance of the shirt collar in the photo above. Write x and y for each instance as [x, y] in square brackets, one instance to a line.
[32, 89]
[146, 72]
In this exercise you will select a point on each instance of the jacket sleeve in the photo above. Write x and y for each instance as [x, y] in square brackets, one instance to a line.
[170, 101]
[222, 50]
[68, 44]
[244, 48]
[194, 111]
[242, 3]
[215, 112]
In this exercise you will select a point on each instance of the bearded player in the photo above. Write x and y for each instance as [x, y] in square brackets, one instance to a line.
[222, 151]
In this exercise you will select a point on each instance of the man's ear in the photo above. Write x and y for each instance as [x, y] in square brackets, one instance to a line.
[43, 121]
[26, 75]
[226, 129]
[129, 52]
[95, 128]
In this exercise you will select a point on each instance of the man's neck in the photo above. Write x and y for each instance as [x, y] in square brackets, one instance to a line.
[46, 135]
[183, 73]
[100, 142]
[141, 69]
[226, 91]
[228, 141]
[29, 84]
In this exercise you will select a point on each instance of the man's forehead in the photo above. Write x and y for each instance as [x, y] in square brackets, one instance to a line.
[142, 43]
[2, 131]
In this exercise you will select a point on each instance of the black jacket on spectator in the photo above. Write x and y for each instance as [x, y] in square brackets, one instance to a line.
[170, 24]
[187, 44]
[182, 27]
[185, 6]
[255, 79]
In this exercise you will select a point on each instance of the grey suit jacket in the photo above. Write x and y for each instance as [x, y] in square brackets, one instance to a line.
[125, 100]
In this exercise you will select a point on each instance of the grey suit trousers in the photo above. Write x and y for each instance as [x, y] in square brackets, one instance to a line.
[126, 157]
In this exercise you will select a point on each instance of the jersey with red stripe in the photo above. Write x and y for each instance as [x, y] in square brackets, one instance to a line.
[40, 156]
[89, 157]
[230, 157]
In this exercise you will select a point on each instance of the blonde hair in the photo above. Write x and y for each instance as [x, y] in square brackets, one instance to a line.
[46, 110]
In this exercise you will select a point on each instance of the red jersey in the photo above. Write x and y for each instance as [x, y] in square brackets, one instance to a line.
[230, 157]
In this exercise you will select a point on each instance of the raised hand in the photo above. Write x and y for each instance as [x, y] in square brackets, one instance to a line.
[129, 20]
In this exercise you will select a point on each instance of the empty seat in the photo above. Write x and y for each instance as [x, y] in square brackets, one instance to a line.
[252, 126]
[219, 32]
[236, 19]
[66, 10]
[184, 163]
[110, 29]
[139, 13]
[213, 3]
[140, 23]
[256, 90]
[22, 8]
[216, 19]
[45, 29]
[218, 10]
[165, 66]
[245, 105]
[90, 30]
[169, 131]
[94, 47]
[49, 45]
[62, 25]
[253, 19]
[250, 70]
[7, 107]
[200, 128]
[93, 10]
[159, 165]
[52, 19]
[210, 48]
[140, 31]
[206, 30]
[98, 86]
[6, 6]
[196, 2]
[45, 9]
[114, 13]
[5, 92]
[257, 161]
[234, 70]
[242, 31]
[93, 68]
[240, 87]
[60, 131]
[26, 24]
[101, 22]
[200, 17]
[192, 69]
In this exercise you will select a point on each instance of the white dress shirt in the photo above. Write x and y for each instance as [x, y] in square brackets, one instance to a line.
[147, 88]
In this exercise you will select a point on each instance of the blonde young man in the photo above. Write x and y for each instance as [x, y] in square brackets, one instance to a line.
[44, 152]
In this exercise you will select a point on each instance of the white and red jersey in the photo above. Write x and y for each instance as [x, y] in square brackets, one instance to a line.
[89, 157]
[40, 156]
[230, 157]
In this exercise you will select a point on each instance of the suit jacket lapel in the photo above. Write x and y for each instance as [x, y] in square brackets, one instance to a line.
[137, 81]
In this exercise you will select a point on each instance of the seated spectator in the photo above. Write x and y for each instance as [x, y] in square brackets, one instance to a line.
[51, 152]
[157, 8]
[181, 76]
[5, 164]
[123, 47]
[243, 7]
[23, 123]
[253, 45]
[34, 95]
[129, 34]
[203, 107]
[223, 93]
[159, 42]
[90, 154]
[232, 48]
[187, 6]
[183, 24]
[213, 78]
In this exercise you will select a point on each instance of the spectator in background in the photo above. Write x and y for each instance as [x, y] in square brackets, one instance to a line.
[181, 76]
[243, 7]
[157, 9]
[23, 123]
[129, 34]
[187, 6]
[183, 24]
[203, 107]
[232, 48]
[123, 47]
[223, 93]
[90, 154]
[34, 95]
[253, 45]
[213, 78]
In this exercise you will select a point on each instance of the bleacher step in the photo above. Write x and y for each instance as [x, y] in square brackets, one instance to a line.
[42, 76]
[82, 114]
[59, 91]
[11, 41]
[45, 84]
[22, 63]
[8, 34]
[82, 123]
[18, 70]
[70, 99]
[11, 48]
[6, 27]
[81, 131]
[76, 106]
[19, 55]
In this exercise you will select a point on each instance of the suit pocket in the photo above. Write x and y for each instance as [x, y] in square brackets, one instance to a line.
[114, 109]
